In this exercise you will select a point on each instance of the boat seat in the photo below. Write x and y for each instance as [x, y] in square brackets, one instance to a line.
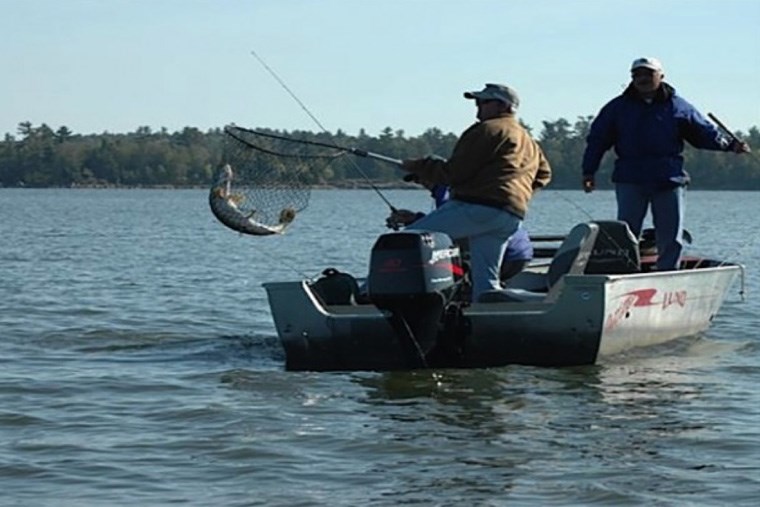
[616, 250]
[336, 288]
[574, 253]
[571, 258]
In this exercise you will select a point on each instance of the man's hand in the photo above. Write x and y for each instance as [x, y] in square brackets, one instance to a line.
[740, 147]
[588, 183]
[401, 218]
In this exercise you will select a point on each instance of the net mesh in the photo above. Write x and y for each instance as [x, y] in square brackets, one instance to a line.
[273, 172]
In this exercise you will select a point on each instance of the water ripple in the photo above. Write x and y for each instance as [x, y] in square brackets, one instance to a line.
[140, 366]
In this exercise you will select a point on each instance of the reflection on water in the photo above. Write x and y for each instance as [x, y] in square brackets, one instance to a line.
[626, 427]
[631, 386]
[468, 399]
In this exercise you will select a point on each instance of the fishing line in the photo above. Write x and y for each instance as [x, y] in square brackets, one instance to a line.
[737, 252]
[290, 92]
[319, 124]
[577, 206]
[277, 254]
[609, 237]
[287, 89]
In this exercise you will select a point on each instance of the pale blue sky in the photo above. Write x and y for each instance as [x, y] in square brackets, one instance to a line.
[115, 65]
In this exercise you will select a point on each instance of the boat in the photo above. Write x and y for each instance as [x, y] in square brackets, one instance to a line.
[596, 297]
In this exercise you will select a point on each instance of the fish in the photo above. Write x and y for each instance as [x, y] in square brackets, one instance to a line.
[224, 204]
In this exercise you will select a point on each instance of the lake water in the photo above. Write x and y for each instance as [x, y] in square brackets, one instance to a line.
[139, 366]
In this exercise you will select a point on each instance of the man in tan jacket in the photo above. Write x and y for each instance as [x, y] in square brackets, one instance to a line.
[492, 173]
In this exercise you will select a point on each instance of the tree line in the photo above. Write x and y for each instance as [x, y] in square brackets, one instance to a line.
[39, 156]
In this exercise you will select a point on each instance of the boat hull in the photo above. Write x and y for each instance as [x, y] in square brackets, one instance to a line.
[587, 319]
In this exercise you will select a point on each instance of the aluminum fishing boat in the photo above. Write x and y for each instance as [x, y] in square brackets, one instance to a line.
[595, 298]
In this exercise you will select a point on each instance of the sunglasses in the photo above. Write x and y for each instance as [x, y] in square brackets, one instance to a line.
[643, 72]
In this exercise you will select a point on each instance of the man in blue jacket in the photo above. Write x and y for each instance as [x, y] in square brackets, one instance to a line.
[647, 125]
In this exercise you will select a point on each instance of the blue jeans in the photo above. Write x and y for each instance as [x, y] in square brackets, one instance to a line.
[668, 207]
[488, 230]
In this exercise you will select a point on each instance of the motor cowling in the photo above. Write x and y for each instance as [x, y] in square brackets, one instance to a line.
[412, 263]
[413, 275]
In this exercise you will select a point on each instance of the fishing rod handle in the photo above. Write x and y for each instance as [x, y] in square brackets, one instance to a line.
[377, 156]
[723, 127]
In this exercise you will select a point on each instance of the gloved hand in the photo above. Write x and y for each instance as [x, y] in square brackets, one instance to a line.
[401, 218]
[738, 146]
[588, 183]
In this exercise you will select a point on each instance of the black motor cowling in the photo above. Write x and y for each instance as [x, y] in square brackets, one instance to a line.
[412, 263]
[412, 275]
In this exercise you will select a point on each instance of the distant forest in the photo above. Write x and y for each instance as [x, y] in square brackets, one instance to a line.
[39, 156]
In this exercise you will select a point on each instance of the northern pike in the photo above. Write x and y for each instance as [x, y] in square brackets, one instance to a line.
[224, 205]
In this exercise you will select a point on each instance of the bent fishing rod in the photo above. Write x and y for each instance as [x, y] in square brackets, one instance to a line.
[353, 151]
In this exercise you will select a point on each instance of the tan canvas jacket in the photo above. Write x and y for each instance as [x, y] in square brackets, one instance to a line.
[495, 162]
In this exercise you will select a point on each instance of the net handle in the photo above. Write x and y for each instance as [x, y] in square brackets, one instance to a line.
[353, 151]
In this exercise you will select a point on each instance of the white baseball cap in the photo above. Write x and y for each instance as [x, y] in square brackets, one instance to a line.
[647, 62]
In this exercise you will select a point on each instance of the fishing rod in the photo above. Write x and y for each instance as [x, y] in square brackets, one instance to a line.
[353, 151]
[724, 128]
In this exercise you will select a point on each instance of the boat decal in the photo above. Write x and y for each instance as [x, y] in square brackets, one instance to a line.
[456, 269]
[445, 253]
[644, 298]
[676, 297]
[452, 268]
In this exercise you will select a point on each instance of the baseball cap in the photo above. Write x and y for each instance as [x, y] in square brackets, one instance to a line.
[647, 62]
[496, 92]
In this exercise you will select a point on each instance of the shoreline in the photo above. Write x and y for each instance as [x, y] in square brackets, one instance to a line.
[348, 185]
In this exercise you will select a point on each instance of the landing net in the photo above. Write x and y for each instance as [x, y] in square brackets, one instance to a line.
[273, 173]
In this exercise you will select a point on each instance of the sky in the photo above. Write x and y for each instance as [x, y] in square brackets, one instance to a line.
[112, 66]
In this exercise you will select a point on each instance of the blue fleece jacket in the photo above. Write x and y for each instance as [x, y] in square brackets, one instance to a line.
[648, 137]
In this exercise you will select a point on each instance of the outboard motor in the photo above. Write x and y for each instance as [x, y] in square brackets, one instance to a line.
[413, 274]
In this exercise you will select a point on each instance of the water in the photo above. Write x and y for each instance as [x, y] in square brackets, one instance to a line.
[139, 366]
